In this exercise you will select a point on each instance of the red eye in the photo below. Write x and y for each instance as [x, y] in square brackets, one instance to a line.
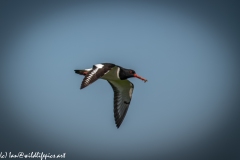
[130, 72]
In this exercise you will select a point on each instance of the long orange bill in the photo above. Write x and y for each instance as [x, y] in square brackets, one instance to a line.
[137, 76]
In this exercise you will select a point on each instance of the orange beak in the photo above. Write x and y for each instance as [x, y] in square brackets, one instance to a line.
[137, 76]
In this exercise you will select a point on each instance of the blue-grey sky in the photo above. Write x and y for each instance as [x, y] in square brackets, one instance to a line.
[188, 107]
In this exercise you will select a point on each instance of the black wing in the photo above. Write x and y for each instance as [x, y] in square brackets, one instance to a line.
[123, 90]
[97, 72]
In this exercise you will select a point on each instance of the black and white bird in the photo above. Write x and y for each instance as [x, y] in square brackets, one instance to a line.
[117, 77]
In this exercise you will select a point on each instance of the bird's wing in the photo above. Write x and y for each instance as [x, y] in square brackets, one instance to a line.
[83, 71]
[123, 90]
[97, 72]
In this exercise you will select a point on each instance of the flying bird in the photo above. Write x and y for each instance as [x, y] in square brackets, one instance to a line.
[117, 77]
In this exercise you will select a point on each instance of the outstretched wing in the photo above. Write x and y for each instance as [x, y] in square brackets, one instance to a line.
[123, 90]
[97, 72]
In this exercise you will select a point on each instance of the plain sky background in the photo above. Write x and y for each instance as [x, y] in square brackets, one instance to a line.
[187, 109]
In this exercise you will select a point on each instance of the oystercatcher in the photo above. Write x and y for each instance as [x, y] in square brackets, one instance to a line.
[117, 78]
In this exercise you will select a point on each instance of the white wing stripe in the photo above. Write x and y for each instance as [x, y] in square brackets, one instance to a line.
[91, 74]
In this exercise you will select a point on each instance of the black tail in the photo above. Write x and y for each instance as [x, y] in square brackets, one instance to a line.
[81, 72]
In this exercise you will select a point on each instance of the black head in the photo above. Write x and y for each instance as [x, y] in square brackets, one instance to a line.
[128, 73]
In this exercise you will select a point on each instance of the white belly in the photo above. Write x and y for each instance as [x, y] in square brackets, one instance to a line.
[113, 74]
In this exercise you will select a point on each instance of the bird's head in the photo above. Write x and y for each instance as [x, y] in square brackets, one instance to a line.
[128, 73]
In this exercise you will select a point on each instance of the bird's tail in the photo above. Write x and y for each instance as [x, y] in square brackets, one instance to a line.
[81, 72]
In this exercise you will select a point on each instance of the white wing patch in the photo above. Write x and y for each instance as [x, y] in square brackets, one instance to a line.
[130, 92]
[88, 69]
[99, 65]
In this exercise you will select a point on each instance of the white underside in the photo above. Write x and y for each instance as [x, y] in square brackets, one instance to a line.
[125, 88]
[113, 74]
